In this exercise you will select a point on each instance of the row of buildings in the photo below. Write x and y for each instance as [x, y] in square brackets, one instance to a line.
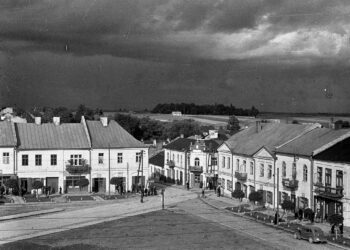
[307, 164]
[61, 154]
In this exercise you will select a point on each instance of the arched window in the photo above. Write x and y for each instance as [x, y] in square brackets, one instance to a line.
[284, 169]
[294, 170]
[305, 173]
[196, 162]
[244, 166]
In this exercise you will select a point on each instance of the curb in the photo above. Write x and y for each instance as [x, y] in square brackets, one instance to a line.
[266, 224]
[34, 213]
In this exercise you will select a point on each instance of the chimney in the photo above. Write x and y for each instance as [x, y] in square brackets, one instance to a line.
[104, 121]
[37, 120]
[182, 136]
[154, 142]
[56, 120]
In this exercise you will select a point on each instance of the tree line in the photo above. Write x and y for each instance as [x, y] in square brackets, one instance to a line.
[193, 109]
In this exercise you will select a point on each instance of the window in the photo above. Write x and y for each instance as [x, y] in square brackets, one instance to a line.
[6, 158]
[138, 156]
[251, 168]
[261, 170]
[305, 173]
[37, 160]
[214, 161]
[319, 175]
[228, 162]
[120, 157]
[269, 173]
[339, 178]
[223, 183]
[229, 185]
[244, 166]
[180, 160]
[284, 169]
[167, 156]
[53, 160]
[100, 158]
[237, 165]
[196, 162]
[294, 170]
[177, 158]
[269, 197]
[223, 162]
[173, 157]
[76, 160]
[24, 160]
[328, 180]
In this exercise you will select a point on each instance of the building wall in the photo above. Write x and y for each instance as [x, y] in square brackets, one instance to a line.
[225, 170]
[127, 169]
[7, 168]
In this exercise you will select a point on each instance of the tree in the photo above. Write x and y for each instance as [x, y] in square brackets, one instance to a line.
[233, 124]
[37, 185]
[255, 196]
[309, 214]
[83, 183]
[116, 181]
[83, 111]
[336, 220]
[13, 184]
[238, 194]
[288, 205]
[186, 127]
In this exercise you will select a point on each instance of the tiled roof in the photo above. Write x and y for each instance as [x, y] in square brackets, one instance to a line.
[50, 136]
[158, 159]
[113, 136]
[271, 135]
[7, 134]
[340, 152]
[313, 140]
[182, 144]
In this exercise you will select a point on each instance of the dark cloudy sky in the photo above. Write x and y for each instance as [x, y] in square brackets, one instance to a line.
[277, 55]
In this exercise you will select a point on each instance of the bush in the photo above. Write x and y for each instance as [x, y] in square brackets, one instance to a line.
[309, 214]
[288, 205]
[37, 185]
[255, 196]
[83, 182]
[335, 219]
[12, 183]
[238, 194]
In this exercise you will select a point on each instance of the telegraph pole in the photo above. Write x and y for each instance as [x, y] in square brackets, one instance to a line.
[278, 185]
[142, 189]
[109, 169]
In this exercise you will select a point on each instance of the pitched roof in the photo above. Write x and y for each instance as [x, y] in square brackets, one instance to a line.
[182, 144]
[113, 136]
[7, 134]
[340, 152]
[313, 140]
[50, 136]
[158, 159]
[271, 135]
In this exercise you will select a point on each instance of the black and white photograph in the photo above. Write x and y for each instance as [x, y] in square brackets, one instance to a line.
[174, 124]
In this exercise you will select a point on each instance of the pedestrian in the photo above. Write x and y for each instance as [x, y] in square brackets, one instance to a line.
[188, 185]
[341, 228]
[219, 191]
[203, 193]
[60, 190]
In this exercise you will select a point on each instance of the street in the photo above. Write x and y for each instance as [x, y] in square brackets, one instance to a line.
[186, 223]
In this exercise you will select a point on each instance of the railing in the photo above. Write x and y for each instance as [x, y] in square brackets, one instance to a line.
[80, 169]
[241, 176]
[195, 169]
[290, 183]
[329, 192]
[171, 163]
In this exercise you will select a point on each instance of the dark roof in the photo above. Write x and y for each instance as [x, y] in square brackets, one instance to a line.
[340, 152]
[113, 136]
[50, 136]
[271, 135]
[311, 141]
[182, 144]
[7, 134]
[158, 159]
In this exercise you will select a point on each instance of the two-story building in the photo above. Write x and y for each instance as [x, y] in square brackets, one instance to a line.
[247, 160]
[8, 142]
[51, 153]
[313, 172]
[115, 153]
[192, 160]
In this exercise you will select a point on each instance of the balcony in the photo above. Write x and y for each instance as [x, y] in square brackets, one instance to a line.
[171, 163]
[196, 169]
[290, 183]
[241, 176]
[79, 169]
[328, 192]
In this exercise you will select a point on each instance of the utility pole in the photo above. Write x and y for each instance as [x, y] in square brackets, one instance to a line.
[163, 190]
[278, 186]
[142, 176]
[109, 169]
